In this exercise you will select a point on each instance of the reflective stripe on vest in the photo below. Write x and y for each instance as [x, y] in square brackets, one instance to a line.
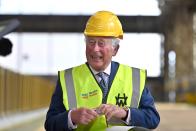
[70, 89]
[136, 87]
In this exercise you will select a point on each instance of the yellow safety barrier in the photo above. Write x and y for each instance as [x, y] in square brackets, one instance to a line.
[23, 93]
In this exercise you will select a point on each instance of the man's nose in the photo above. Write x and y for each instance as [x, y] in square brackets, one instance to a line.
[96, 47]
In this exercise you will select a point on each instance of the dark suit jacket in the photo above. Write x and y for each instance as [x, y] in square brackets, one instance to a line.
[145, 116]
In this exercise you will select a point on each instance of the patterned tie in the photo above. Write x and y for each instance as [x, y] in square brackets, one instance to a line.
[103, 83]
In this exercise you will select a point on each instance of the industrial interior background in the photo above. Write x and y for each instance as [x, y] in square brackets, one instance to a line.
[24, 98]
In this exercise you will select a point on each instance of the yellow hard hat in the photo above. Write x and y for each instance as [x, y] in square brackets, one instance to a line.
[104, 23]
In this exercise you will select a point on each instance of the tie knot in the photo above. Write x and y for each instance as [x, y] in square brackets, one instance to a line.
[101, 74]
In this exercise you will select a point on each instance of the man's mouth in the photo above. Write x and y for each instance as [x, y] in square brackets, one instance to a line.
[96, 57]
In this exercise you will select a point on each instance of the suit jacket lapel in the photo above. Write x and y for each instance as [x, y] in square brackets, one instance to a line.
[114, 68]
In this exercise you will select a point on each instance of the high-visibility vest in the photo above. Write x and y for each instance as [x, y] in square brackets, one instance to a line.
[81, 89]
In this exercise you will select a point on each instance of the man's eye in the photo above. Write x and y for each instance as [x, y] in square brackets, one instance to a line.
[92, 42]
[101, 43]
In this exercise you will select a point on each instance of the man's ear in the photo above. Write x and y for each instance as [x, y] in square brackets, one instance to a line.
[116, 50]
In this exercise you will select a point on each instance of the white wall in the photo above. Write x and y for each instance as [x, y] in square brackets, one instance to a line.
[47, 53]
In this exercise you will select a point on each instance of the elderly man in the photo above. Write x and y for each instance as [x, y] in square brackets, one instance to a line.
[101, 92]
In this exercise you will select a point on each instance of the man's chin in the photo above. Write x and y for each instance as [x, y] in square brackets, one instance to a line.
[97, 67]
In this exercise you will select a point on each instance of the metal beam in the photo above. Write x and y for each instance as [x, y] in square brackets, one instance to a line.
[71, 23]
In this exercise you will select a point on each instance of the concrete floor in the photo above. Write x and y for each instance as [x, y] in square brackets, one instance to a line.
[33, 126]
[174, 117]
[24, 121]
[177, 117]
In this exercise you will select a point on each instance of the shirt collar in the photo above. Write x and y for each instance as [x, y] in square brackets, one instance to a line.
[107, 70]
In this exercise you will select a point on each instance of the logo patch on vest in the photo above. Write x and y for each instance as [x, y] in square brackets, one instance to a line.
[121, 101]
[89, 94]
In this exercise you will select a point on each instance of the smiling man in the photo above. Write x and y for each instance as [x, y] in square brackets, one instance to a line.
[101, 92]
[99, 51]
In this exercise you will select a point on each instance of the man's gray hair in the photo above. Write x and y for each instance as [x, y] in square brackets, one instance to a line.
[115, 42]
